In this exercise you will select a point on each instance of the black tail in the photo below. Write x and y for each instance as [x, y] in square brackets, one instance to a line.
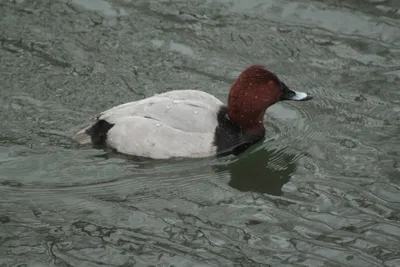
[98, 132]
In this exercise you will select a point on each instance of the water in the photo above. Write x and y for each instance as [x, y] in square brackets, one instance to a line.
[322, 190]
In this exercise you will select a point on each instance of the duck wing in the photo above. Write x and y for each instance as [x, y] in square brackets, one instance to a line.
[186, 110]
[183, 121]
[146, 137]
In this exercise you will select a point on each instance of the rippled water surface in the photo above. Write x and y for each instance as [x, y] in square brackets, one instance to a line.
[323, 189]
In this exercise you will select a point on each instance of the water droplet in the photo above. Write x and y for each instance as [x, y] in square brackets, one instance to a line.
[310, 167]
[176, 101]
[158, 124]
[195, 112]
[360, 98]
[348, 143]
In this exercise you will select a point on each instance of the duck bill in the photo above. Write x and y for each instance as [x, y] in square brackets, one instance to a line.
[289, 94]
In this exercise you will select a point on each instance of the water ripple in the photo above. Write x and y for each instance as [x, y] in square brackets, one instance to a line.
[321, 190]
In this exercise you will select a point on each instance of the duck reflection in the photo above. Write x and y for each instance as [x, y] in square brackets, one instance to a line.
[262, 171]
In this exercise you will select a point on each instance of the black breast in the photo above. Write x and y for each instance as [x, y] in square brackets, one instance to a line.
[229, 138]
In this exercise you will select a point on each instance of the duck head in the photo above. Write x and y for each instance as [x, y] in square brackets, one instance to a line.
[252, 93]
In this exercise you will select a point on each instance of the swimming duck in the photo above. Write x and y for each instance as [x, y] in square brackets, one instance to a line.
[191, 123]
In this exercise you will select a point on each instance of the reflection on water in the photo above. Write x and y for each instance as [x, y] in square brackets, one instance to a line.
[100, 6]
[322, 190]
[263, 171]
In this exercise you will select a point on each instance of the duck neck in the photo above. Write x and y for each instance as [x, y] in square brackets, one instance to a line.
[251, 123]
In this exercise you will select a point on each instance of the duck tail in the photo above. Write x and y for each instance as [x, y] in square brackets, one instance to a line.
[82, 137]
[95, 134]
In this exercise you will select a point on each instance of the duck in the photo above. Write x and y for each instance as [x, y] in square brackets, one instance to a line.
[189, 123]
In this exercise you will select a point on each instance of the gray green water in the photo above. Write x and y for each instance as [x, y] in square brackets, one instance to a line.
[322, 190]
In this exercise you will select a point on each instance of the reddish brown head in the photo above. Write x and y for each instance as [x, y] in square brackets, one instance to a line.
[253, 92]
